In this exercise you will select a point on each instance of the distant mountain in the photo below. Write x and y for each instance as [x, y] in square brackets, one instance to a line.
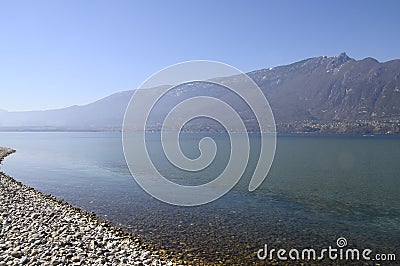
[335, 94]
[104, 114]
[321, 95]
[335, 88]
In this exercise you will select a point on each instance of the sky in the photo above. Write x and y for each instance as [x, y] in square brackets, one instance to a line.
[55, 54]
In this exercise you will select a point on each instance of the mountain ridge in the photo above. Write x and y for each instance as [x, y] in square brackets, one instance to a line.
[320, 94]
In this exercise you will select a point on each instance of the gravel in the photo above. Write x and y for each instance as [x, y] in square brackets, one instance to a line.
[39, 229]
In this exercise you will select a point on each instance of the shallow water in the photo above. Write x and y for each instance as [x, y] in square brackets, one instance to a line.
[318, 189]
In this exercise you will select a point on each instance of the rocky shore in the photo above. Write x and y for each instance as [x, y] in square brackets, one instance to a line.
[38, 229]
[4, 152]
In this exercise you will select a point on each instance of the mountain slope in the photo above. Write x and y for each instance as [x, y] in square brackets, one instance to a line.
[104, 114]
[337, 88]
[322, 94]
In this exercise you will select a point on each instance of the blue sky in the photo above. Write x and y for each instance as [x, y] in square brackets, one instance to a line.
[60, 53]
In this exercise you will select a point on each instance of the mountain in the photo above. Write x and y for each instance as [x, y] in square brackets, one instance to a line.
[322, 95]
[104, 114]
[337, 88]
[335, 94]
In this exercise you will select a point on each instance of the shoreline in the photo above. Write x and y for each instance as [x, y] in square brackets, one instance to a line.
[37, 229]
[4, 152]
[278, 134]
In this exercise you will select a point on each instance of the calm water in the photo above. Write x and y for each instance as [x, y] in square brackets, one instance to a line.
[319, 189]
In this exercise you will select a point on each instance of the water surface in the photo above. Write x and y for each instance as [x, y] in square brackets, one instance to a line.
[318, 189]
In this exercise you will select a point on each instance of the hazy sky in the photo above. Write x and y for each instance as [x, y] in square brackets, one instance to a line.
[59, 53]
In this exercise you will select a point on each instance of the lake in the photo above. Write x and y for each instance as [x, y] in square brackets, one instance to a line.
[318, 189]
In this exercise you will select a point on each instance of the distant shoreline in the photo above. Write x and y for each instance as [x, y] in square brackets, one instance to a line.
[295, 134]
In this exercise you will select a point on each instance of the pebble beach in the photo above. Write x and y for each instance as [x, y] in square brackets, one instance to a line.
[39, 229]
